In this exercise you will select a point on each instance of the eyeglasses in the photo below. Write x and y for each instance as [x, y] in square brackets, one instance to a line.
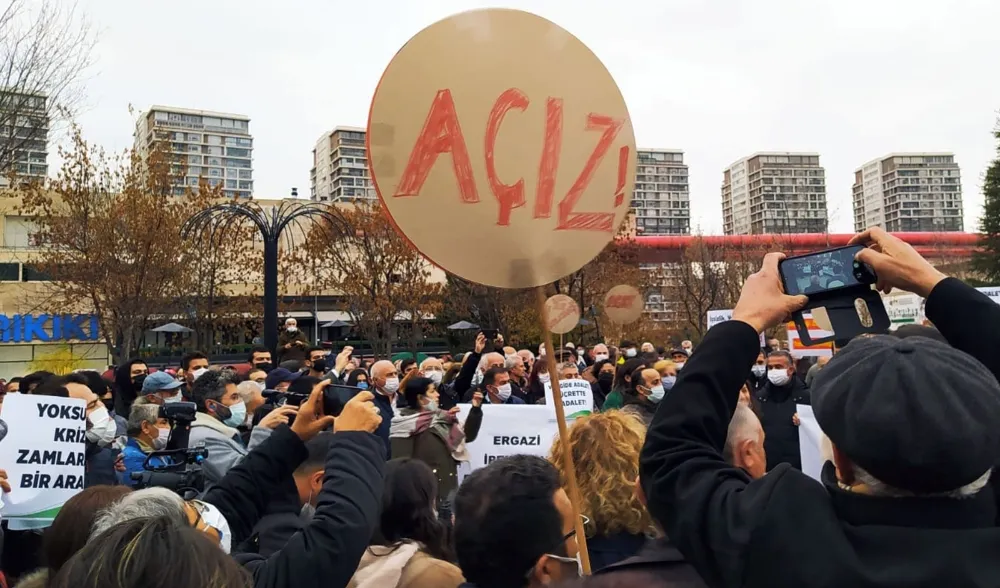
[196, 508]
[565, 538]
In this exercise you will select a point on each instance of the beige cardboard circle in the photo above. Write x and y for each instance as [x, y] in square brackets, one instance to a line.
[623, 304]
[562, 314]
[501, 148]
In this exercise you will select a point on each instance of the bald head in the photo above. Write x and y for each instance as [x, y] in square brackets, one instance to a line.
[745, 442]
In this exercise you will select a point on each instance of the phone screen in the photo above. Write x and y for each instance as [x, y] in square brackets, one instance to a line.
[820, 272]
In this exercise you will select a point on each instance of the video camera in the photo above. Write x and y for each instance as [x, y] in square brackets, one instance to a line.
[176, 474]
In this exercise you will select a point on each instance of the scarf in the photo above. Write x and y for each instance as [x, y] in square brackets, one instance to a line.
[409, 423]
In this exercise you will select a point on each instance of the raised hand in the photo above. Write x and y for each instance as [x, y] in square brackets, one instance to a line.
[763, 303]
[896, 263]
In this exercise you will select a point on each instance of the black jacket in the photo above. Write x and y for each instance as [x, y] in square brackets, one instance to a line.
[606, 550]
[327, 551]
[776, 407]
[785, 529]
[663, 564]
[281, 520]
[463, 381]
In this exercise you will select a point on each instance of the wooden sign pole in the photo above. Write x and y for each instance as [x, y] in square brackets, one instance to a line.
[573, 489]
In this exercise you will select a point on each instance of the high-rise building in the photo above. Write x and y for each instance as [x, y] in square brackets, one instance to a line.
[340, 167]
[211, 145]
[774, 193]
[24, 134]
[661, 198]
[909, 192]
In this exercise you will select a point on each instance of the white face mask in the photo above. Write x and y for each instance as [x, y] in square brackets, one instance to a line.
[778, 377]
[199, 373]
[291, 329]
[162, 436]
[600, 356]
[214, 518]
[576, 560]
[630, 352]
[103, 427]
[759, 371]
[172, 399]
[679, 365]
[503, 392]
[544, 378]
[656, 393]
[432, 405]
[391, 385]
[434, 376]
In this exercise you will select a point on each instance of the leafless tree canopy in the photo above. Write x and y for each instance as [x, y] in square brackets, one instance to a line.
[45, 49]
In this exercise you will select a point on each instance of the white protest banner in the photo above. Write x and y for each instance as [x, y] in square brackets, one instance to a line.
[904, 309]
[992, 291]
[716, 317]
[43, 454]
[577, 398]
[810, 442]
[509, 429]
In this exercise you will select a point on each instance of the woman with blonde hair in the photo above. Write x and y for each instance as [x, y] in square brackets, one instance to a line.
[605, 449]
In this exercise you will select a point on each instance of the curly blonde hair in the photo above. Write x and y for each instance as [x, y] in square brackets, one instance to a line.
[606, 450]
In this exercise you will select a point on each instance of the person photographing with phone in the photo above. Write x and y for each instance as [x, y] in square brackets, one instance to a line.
[907, 497]
[434, 436]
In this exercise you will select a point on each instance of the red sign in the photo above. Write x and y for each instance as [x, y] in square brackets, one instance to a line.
[501, 148]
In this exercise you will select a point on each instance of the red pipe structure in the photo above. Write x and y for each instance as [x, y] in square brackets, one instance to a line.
[932, 245]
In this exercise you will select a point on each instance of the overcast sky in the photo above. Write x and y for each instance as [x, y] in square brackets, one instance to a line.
[720, 79]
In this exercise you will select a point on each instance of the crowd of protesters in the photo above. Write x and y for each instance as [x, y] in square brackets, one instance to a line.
[688, 466]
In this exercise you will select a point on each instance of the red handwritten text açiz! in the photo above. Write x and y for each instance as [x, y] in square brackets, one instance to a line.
[620, 301]
[442, 133]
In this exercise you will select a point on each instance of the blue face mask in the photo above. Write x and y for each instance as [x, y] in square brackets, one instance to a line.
[669, 381]
[656, 394]
[237, 415]
[362, 385]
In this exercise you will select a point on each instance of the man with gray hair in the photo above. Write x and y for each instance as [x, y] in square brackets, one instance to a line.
[914, 429]
[220, 411]
[147, 432]
[745, 442]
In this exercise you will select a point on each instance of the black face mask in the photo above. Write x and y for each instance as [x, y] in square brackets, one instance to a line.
[137, 382]
[109, 403]
[605, 380]
[222, 411]
[266, 366]
[319, 365]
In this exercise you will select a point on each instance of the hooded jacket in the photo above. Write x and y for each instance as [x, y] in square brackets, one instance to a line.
[404, 566]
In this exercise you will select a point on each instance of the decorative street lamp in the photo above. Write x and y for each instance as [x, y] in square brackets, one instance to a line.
[271, 221]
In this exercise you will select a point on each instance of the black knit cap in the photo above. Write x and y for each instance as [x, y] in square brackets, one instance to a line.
[915, 413]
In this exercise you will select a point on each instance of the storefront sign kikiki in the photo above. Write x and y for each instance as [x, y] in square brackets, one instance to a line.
[45, 328]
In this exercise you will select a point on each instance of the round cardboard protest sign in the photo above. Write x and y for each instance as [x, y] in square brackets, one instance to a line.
[562, 314]
[501, 148]
[623, 304]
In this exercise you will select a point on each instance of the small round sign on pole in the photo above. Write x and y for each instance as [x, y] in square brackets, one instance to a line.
[562, 314]
[506, 129]
[623, 304]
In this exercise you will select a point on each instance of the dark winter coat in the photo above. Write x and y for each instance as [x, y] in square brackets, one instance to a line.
[787, 530]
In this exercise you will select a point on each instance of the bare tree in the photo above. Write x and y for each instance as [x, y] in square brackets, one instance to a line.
[45, 49]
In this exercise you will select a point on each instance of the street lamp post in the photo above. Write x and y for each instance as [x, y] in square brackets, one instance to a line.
[271, 222]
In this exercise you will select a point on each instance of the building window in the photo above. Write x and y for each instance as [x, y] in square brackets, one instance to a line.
[19, 232]
[31, 274]
[10, 272]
